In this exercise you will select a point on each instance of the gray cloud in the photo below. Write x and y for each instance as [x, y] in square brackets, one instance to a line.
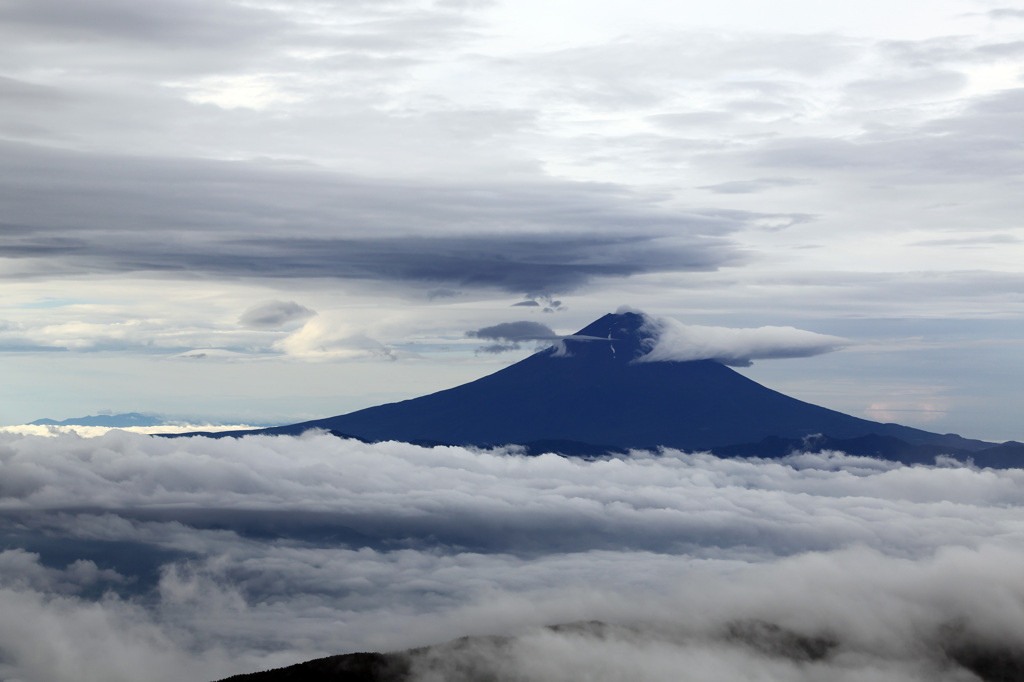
[14, 90]
[515, 331]
[752, 186]
[935, 83]
[607, 73]
[21, 570]
[1006, 13]
[512, 334]
[274, 315]
[980, 240]
[972, 146]
[529, 238]
[535, 265]
[187, 36]
[692, 119]
[180, 22]
[1008, 50]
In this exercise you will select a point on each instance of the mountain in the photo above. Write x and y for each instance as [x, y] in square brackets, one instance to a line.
[589, 394]
[111, 420]
[500, 659]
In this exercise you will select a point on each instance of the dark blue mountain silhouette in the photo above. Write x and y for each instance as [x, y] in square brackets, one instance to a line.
[588, 395]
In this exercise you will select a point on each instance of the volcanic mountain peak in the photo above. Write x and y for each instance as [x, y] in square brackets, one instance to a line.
[636, 337]
[618, 337]
[630, 381]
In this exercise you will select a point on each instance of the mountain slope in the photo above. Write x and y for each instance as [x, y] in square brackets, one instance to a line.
[593, 391]
[504, 659]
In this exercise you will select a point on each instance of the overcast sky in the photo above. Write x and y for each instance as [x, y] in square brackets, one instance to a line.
[254, 211]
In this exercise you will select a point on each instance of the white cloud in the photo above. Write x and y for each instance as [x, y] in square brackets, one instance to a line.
[328, 337]
[674, 341]
[228, 556]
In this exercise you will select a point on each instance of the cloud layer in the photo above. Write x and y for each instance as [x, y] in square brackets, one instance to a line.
[224, 556]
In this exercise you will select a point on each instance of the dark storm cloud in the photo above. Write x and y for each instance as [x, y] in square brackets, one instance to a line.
[532, 265]
[79, 213]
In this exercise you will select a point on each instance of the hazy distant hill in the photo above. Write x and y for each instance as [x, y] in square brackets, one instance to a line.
[117, 421]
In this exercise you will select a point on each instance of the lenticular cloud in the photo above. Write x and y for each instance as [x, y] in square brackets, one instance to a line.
[198, 558]
[677, 342]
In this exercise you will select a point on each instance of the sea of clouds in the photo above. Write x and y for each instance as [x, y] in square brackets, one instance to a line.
[132, 557]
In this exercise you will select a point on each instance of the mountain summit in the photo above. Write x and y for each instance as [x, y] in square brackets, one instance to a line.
[595, 387]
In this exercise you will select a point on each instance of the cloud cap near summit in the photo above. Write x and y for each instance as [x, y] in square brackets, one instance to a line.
[672, 341]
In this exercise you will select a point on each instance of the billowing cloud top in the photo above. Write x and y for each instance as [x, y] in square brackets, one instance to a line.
[673, 341]
[198, 558]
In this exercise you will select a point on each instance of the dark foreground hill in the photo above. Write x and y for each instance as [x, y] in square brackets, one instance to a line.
[589, 394]
[501, 659]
